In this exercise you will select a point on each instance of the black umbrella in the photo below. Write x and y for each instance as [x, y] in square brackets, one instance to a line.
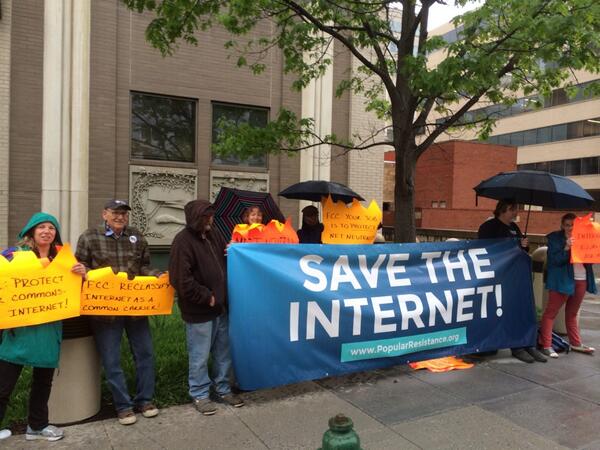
[317, 189]
[534, 187]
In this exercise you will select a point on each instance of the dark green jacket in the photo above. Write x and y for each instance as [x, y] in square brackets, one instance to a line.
[36, 345]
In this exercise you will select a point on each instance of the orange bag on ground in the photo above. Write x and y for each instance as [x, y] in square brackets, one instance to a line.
[441, 364]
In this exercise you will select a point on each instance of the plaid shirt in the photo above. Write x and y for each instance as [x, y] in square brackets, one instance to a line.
[100, 247]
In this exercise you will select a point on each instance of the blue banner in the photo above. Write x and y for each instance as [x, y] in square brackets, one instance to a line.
[303, 312]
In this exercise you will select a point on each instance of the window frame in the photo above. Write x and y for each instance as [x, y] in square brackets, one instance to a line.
[231, 167]
[136, 160]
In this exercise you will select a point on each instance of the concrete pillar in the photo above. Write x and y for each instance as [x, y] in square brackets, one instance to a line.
[65, 160]
[65, 123]
[80, 126]
[317, 104]
[365, 167]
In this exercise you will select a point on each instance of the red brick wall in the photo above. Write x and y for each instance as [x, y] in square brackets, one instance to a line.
[433, 180]
[540, 222]
[473, 163]
[449, 171]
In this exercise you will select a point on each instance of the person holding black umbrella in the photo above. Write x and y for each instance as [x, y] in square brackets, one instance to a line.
[311, 230]
[502, 225]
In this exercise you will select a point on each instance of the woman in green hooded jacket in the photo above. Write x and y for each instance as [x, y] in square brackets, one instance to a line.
[37, 346]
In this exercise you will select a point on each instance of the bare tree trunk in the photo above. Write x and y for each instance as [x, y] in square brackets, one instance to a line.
[404, 196]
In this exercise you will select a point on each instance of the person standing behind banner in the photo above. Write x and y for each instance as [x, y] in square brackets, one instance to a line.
[311, 230]
[198, 272]
[252, 214]
[567, 283]
[37, 346]
[502, 225]
[115, 244]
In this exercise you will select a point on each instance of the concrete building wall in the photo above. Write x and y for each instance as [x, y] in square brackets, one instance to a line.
[548, 116]
[122, 61]
[26, 93]
[365, 167]
[341, 113]
[5, 40]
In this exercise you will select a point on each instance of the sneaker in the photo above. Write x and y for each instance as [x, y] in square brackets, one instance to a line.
[233, 400]
[537, 355]
[583, 349]
[126, 417]
[205, 406]
[50, 433]
[522, 355]
[549, 352]
[148, 410]
[5, 434]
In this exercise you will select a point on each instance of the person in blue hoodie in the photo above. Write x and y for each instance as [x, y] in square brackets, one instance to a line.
[567, 283]
[37, 346]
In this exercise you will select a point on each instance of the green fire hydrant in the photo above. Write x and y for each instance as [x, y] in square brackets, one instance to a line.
[340, 435]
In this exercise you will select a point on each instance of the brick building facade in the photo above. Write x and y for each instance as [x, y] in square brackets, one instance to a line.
[126, 73]
[445, 176]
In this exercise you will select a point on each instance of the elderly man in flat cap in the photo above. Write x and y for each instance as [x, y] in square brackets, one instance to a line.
[114, 244]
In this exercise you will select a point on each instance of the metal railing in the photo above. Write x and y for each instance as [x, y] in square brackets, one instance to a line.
[439, 235]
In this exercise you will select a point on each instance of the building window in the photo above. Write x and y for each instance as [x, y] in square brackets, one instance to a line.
[442, 203]
[573, 167]
[557, 167]
[527, 104]
[567, 167]
[530, 166]
[163, 128]
[589, 166]
[434, 204]
[238, 114]
[562, 132]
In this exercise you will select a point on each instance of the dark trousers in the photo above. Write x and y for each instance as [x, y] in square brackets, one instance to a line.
[41, 385]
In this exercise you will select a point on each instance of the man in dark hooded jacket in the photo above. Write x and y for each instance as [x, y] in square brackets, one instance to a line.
[198, 272]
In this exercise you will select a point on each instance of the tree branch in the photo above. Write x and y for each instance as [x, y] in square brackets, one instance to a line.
[302, 12]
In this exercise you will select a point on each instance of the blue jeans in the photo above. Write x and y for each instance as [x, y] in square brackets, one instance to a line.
[108, 334]
[204, 339]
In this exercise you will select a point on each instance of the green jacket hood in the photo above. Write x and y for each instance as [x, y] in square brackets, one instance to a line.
[36, 219]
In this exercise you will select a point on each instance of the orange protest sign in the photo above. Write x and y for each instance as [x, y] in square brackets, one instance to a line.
[274, 232]
[354, 225]
[586, 240]
[107, 294]
[31, 294]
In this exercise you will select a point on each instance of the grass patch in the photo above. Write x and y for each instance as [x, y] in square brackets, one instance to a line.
[168, 336]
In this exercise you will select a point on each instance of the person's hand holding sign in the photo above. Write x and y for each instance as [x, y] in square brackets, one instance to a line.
[524, 242]
[79, 269]
[567, 226]
[212, 301]
[569, 243]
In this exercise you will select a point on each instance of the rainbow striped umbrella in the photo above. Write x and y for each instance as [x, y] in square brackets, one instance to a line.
[231, 203]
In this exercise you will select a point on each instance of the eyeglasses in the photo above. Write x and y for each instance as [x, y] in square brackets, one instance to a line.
[119, 213]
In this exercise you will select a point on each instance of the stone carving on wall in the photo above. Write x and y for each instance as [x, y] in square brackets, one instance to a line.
[158, 196]
[248, 181]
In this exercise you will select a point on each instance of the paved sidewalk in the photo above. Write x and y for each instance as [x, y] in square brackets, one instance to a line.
[499, 404]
